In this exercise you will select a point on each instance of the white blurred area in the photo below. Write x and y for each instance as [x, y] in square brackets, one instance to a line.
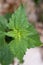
[33, 57]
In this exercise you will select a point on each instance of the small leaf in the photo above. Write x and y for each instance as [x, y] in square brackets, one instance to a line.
[3, 23]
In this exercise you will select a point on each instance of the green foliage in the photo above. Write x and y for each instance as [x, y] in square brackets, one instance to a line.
[23, 33]
[5, 53]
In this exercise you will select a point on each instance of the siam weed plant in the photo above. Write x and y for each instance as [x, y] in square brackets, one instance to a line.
[16, 35]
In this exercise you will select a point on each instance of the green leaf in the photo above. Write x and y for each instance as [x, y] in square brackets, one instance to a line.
[33, 39]
[3, 23]
[6, 55]
[19, 31]
[18, 48]
[23, 33]
[7, 16]
[18, 19]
